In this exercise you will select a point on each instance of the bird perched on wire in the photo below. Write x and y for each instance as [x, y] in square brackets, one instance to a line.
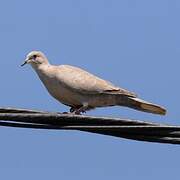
[82, 90]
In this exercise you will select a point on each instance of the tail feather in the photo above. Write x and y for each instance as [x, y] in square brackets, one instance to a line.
[145, 106]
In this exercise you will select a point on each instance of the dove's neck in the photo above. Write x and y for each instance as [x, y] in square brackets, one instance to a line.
[42, 71]
[38, 67]
[41, 68]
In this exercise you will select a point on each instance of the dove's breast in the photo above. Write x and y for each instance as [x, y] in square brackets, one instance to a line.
[56, 88]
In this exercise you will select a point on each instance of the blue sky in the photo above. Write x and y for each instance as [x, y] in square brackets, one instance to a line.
[133, 43]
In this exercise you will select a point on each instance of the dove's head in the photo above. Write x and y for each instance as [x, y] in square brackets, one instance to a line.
[35, 58]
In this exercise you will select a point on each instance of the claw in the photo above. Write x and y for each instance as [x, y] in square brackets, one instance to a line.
[77, 110]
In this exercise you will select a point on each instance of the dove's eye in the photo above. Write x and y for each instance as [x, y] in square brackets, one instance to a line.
[34, 56]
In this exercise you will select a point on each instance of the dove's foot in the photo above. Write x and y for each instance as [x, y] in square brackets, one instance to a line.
[78, 110]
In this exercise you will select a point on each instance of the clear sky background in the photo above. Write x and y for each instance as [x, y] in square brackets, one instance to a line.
[133, 43]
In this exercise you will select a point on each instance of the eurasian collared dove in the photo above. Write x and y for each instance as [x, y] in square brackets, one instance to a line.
[83, 91]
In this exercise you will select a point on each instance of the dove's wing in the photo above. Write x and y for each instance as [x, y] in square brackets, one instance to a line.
[84, 82]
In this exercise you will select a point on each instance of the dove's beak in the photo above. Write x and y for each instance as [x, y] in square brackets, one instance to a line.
[25, 62]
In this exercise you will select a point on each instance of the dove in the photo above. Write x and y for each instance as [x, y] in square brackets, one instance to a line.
[83, 91]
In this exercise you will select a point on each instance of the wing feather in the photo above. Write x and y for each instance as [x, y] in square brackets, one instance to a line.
[80, 80]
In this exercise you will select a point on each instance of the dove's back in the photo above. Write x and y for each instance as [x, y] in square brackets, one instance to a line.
[85, 82]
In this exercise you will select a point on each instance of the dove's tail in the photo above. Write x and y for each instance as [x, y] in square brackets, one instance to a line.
[142, 105]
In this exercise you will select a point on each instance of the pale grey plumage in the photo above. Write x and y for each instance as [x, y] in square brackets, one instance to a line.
[83, 91]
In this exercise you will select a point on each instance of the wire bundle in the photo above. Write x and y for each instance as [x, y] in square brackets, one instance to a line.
[124, 128]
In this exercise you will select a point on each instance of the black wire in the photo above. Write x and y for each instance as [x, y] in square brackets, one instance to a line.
[124, 128]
